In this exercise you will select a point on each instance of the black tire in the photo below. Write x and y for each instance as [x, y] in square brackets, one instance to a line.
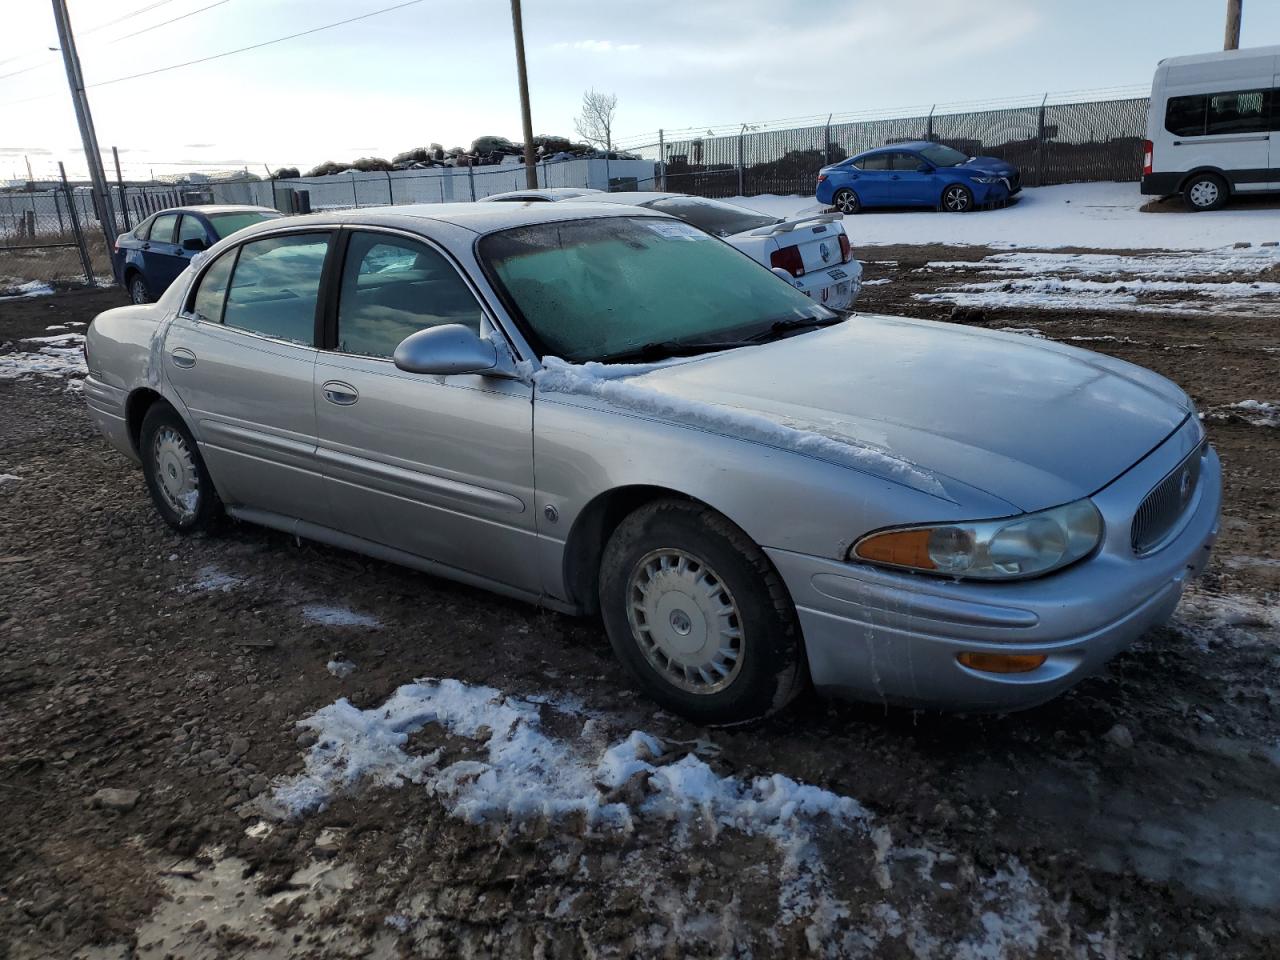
[167, 448]
[846, 201]
[139, 292]
[957, 198]
[768, 670]
[1205, 191]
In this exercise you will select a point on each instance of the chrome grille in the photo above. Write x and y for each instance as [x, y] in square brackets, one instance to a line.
[1160, 511]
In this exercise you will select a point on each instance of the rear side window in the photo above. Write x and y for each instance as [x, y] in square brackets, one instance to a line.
[879, 161]
[275, 287]
[722, 219]
[392, 287]
[213, 289]
[1247, 111]
[142, 230]
[162, 228]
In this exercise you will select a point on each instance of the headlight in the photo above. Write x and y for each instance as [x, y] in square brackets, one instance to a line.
[1009, 549]
[987, 179]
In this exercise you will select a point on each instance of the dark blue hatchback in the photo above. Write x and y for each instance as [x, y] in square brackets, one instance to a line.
[150, 256]
[917, 174]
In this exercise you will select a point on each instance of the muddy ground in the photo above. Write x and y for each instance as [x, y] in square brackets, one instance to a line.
[1138, 815]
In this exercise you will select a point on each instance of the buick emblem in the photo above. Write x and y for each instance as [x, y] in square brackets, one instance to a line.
[825, 251]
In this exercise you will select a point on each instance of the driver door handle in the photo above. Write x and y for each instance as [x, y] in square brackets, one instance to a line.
[343, 394]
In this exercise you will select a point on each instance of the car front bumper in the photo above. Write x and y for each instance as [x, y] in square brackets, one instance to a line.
[878, 635]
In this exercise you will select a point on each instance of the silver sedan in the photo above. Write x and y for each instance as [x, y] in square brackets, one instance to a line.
[605, 411]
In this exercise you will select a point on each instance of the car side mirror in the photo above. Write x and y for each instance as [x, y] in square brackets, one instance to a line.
[452, 348]
[925, 168]
[194, 244]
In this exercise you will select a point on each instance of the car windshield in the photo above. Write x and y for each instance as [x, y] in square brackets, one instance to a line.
[604, 289]
[941, 156]
[225, 224]
[713, 216]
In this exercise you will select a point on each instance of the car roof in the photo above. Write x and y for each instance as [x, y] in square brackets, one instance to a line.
[204, 209]
[479, 218]
[895, 147]
[549, 193]
[633, 197]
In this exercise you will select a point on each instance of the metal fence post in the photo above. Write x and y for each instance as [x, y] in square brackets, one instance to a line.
[662, 159]
[124, 207]
[741, 133]
[391, 197]
[929, 124]
[1040, 144]
[355, 194]
[471, 180]
[75, 226]
[826, 141]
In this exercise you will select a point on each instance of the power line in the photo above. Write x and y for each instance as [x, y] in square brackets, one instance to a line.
[165, 23]
[127, 16]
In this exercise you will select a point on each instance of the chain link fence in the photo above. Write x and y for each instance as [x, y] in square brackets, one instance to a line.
[1051, 143]
[44, 241]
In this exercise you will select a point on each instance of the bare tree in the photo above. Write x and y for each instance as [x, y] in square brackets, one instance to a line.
[596, 123]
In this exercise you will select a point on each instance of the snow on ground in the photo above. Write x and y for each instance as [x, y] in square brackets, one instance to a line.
[1105, 216]
[8, 478]
[211, 579]
[1259, 413]
[57, 356]
[340, 668]
[1223, 261]
[610, 785]
[13, 289]
[328, 616]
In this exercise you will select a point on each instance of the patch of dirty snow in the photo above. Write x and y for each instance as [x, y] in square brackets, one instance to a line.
[877, 283]
[211, 579]
[617, 786]
[1025, 331]
[622, 385]
[341, 668]
[9, 478]
[1161, 266]
[32, 288]
[60, 356]
[328, 616]
[1210, 619]
[57, 326]
[1258, 413]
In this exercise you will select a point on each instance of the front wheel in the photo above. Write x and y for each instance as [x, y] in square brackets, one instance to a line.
[176, 476]
[698, 616]
[957, 199]
[1206, 191]
[846, 201]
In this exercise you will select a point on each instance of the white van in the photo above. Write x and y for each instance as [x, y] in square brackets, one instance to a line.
[1213, 130]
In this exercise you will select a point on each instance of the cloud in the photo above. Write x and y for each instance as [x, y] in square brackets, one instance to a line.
[597, 46]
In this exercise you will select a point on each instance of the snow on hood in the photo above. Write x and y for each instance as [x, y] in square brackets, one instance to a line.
[618, 384]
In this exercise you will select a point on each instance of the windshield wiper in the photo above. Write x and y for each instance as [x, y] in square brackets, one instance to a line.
[662, 349]
[779, 327]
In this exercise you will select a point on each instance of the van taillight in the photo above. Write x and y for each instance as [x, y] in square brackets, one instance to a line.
[1148, 156]
[846, 252]
[789, 259]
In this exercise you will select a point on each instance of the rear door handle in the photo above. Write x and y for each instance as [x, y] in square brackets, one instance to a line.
[343, 394]
[182, 357]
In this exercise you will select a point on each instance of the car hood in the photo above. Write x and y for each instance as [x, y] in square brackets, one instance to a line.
[994, 165]
[1031, 422]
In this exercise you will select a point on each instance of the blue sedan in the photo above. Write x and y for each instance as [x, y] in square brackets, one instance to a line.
[150, 256]
[918, 174]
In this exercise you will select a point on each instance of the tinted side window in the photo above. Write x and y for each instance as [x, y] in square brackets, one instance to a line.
[1244, 111]
[276, 285]
[191, 229]
[904, 161]
[162, 228]
[213, 289]
[392, 288]
[878, 162]
[1184, 116]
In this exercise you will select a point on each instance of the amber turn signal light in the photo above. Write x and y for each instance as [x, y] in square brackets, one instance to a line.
[902, 548]
[1003, 662]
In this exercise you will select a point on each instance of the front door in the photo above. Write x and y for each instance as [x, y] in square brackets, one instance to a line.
[437, 466]
[241, 357]
[912, 182]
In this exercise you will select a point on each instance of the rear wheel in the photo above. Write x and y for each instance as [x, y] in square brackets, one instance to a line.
[957, 199]
[698, 616]
[138, 290]
[1205, 191]
[846, 201]
[176, 475]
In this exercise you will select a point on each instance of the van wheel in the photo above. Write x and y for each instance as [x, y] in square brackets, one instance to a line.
[1205, 191]
[698, 615]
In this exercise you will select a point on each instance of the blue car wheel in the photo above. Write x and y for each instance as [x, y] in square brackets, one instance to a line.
[957, 198]
[138, 291]
[846, 201]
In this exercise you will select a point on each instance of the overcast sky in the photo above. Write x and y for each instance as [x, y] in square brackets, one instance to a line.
[445, 72]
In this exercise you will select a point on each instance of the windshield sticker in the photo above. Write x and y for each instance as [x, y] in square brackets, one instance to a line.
[674, 229]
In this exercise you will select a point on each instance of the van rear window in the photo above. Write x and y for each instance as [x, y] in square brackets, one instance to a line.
[1219, 114]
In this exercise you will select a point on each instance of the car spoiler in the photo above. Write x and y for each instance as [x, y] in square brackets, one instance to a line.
[786, 226]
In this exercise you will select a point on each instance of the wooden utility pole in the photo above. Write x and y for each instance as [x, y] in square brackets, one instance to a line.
[530, 169]
[1233, 25]
[92, 155]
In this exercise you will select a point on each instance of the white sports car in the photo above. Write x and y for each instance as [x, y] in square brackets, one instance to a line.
[812, 251]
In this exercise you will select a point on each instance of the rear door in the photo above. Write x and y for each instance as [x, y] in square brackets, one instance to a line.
[872, 184]
[240, 356]
[437, 466]
[912, 181]
[161, 262]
